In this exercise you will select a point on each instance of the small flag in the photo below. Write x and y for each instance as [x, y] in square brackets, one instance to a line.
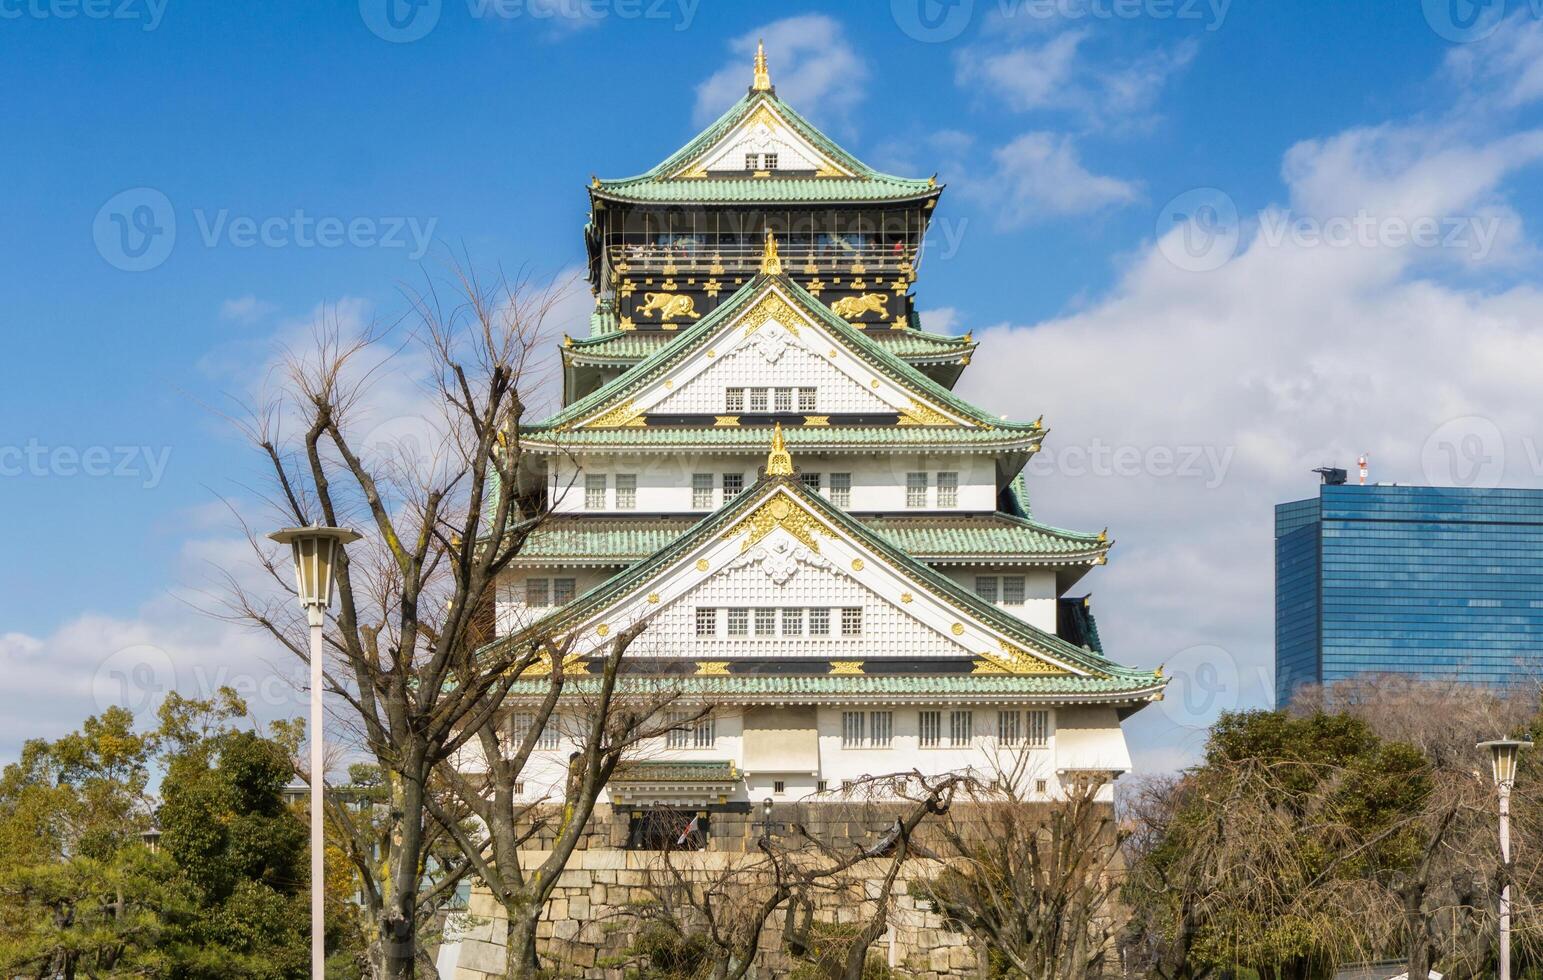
[690, 827]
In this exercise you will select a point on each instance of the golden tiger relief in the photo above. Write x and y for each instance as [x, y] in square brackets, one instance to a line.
[669, 305]
[849, 307]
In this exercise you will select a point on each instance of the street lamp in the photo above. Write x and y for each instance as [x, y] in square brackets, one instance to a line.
[317, 551]
[1502, 756]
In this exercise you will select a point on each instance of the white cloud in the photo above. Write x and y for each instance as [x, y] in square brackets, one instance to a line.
[1505, 68]
[245, 309]
[1027, 77]
[813, 67]
[1186, 404]
[1040, 174]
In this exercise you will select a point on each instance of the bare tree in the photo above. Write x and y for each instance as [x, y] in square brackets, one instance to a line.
[408, 637]
[1035, 882]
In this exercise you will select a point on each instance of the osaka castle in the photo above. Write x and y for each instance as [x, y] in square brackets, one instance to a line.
[761, 457]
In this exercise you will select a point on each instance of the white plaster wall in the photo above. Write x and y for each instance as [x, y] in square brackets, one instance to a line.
[1039, 589]
[878, 484]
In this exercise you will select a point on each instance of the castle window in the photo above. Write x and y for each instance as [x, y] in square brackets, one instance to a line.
[680, 734]
[520, 724]
[841, 489]
[626, 491]
[852, 621]
[1041, 785]
[792, 622]
[1009, 590]
[705, 735]
[784, 399]
[819, 622]
[1038, 729]
[948, 489]
[1009, 727]
[961, 727]
[986, 587]
[734, 399]
[929, 729]
[752, 161]
[563, 590]
[707, 622]
[916, 489]
[537, 593]
[758, 399]
[733, 485]
[766, 622]
[806, 399]
[852, 724]
[701, 491]
[881, 728]
[769, 161]
[594, 492]
[739, 622]
[1012, 590]
[811, 480]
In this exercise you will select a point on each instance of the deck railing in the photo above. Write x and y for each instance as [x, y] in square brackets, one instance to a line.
[797, 258]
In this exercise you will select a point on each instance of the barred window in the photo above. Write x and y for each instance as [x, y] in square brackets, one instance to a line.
[707, 622]
[681, 733]
[881, 728]
[626, 491]
[916, 489]
[769, 161]
[520, 724]
[1038, 729]
[948, 489]
[961, 726]
[701, 491]
[1009, 727]
[819, 622]
[563, 591]
[766, 622]
[841, 489]
[806, 399]
[852, 729]
[594, 492]
[536, 592]
[792, 622]
[1012, 590]
[986, 587]
[733, 484]
[852, 621]
[739, 622]
[811, 480]
[752, 161]
[757, 399]
[784, 399]
[929, 729]
[734, 399]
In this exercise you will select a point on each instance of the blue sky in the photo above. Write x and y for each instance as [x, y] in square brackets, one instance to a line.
[1064, 131]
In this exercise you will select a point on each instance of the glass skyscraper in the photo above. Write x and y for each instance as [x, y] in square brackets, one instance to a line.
[1429, 582]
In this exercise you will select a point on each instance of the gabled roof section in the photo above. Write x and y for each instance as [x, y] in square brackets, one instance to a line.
[812, 167]
[783, 502]
[610, 406]
[628, 347]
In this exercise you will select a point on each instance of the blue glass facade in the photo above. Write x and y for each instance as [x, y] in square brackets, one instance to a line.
[1432, 582]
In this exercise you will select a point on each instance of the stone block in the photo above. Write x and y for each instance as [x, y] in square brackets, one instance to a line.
[557, 909]
[937, 960]
[482, 957]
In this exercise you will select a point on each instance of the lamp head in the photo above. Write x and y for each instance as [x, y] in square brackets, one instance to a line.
[1502, 757]
[316, 552]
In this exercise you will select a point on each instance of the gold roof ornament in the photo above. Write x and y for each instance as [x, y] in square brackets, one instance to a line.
[771, 262]
[762, 81]
[779, 462]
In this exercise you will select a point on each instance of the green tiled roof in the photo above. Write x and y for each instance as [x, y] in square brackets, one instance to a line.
[807, 438]
[753, 687]
[1111, 675]
[658, 185]
[632, 345]
[873, 352]
[673, 771]
[996, 536]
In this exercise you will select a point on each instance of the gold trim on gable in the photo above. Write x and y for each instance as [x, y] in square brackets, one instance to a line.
[920, 414]
[781, 512]
[623, 416]
[770, 307]
[846, 666]
[712, 668]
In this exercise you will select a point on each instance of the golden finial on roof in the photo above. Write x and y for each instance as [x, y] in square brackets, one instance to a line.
[567, 341]
[779, 462]
[762, 81]
[1103, 535]
[594, 181]
[771, 262]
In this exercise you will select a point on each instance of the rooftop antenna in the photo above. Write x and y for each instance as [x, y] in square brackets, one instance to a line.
[1362, 464]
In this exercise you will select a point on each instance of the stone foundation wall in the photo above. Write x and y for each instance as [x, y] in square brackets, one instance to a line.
[594, 918]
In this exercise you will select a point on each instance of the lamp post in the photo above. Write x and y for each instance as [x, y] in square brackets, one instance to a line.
[317, 551]
[1502, 755]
